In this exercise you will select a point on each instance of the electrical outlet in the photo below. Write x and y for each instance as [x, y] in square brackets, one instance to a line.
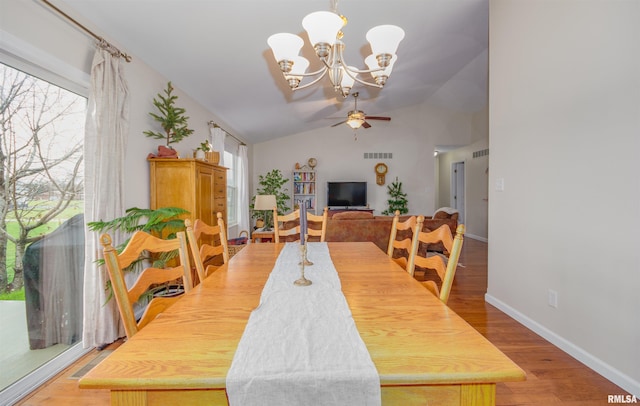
[553, 298]
[500, 185]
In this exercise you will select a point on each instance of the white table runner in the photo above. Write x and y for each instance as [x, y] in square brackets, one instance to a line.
[301, 345]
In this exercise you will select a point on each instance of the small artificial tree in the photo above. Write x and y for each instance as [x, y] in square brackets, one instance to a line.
[171, 118]
[271, 184]
[397, 199]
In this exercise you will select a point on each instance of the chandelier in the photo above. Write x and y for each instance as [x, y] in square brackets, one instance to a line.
[324, 31]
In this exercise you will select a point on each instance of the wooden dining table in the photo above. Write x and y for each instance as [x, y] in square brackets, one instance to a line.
[423, 351]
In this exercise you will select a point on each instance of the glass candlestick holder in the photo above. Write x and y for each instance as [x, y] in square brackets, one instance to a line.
[302, 281]
[303, 251]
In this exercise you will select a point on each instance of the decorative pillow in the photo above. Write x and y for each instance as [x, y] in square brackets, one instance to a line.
[352, 215]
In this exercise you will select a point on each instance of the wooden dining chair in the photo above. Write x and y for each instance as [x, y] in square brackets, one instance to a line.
[317, 225]
[400, 239]
[444, 266]
[287, 226]
[207, 244]
[149, 277]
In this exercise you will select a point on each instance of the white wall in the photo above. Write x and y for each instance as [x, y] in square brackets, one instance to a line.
[565, 136]
[49, 37]
[410, 136]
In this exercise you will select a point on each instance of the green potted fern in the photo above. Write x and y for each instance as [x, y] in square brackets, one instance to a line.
[164, 221]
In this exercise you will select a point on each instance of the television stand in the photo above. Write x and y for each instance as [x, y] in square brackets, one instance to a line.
[335, 210]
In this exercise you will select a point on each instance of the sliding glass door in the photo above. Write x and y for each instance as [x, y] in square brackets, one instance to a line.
[41, 226]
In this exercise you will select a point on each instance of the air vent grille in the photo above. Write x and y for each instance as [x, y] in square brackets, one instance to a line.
[482, 152]
[378, 155]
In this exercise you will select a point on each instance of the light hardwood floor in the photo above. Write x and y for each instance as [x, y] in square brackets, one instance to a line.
[553, 377]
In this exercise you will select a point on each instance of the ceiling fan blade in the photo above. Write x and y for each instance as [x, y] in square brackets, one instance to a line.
[378, 118]
[337, 124]
[366, 125]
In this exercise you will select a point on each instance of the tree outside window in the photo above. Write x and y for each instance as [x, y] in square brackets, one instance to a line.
[41, 165]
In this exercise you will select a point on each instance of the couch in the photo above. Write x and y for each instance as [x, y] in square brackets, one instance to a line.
[363, 226]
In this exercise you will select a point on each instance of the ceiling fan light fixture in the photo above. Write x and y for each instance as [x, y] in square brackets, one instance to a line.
[324, 30]
[355, 119]
[355, 123]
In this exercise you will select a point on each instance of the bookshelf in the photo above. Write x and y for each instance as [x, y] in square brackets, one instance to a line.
[305, 190]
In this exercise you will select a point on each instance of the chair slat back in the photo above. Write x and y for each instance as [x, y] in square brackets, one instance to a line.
[281, 221]
[404, 243]
[201, 252]
[149, 277]
[320, 219]
[444, 267]
[279, 230]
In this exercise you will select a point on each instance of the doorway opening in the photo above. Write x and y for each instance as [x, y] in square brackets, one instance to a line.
[457, 189]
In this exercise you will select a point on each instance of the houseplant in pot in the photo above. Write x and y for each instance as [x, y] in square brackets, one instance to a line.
[164, 221]
[205, 151]
[397, 199]
[271, 184]
[172, 120]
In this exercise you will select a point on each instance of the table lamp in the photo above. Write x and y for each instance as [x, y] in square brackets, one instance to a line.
[266, 203]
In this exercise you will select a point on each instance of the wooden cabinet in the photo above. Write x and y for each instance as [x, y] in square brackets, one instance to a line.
[304, 189]
[191, 184]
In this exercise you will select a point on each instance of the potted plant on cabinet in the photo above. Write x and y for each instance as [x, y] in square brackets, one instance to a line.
[172, 119]
[199, 153]
[205, 151]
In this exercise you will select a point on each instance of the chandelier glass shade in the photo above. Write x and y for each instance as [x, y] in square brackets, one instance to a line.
[324, 31]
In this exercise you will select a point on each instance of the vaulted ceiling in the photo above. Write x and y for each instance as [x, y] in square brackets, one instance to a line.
[217, 52]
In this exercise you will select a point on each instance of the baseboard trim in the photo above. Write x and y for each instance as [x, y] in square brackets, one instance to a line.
[477, 237]
[622, 380]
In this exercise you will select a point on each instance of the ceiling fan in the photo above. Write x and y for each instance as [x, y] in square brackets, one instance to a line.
[356, 118]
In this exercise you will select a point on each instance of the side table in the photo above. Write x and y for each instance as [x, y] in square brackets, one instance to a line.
[261, 236]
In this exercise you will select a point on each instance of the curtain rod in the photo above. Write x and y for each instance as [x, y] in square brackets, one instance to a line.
[213, 124]
[123, 55]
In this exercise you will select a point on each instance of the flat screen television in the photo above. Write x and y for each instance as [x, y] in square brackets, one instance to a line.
[346, 194]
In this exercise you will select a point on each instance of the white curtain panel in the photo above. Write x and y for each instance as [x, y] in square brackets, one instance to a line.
[106, 128]
[217, 140]
[243, 188]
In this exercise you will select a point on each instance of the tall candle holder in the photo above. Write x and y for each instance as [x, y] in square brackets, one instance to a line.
[303, 281]
[303, 252]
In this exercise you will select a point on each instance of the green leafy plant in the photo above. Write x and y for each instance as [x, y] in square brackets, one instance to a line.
[205, 146]
[171, 118]
[271, 184]
[397, 199]
[164, 221]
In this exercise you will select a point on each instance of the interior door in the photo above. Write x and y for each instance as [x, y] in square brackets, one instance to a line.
[457, 189]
